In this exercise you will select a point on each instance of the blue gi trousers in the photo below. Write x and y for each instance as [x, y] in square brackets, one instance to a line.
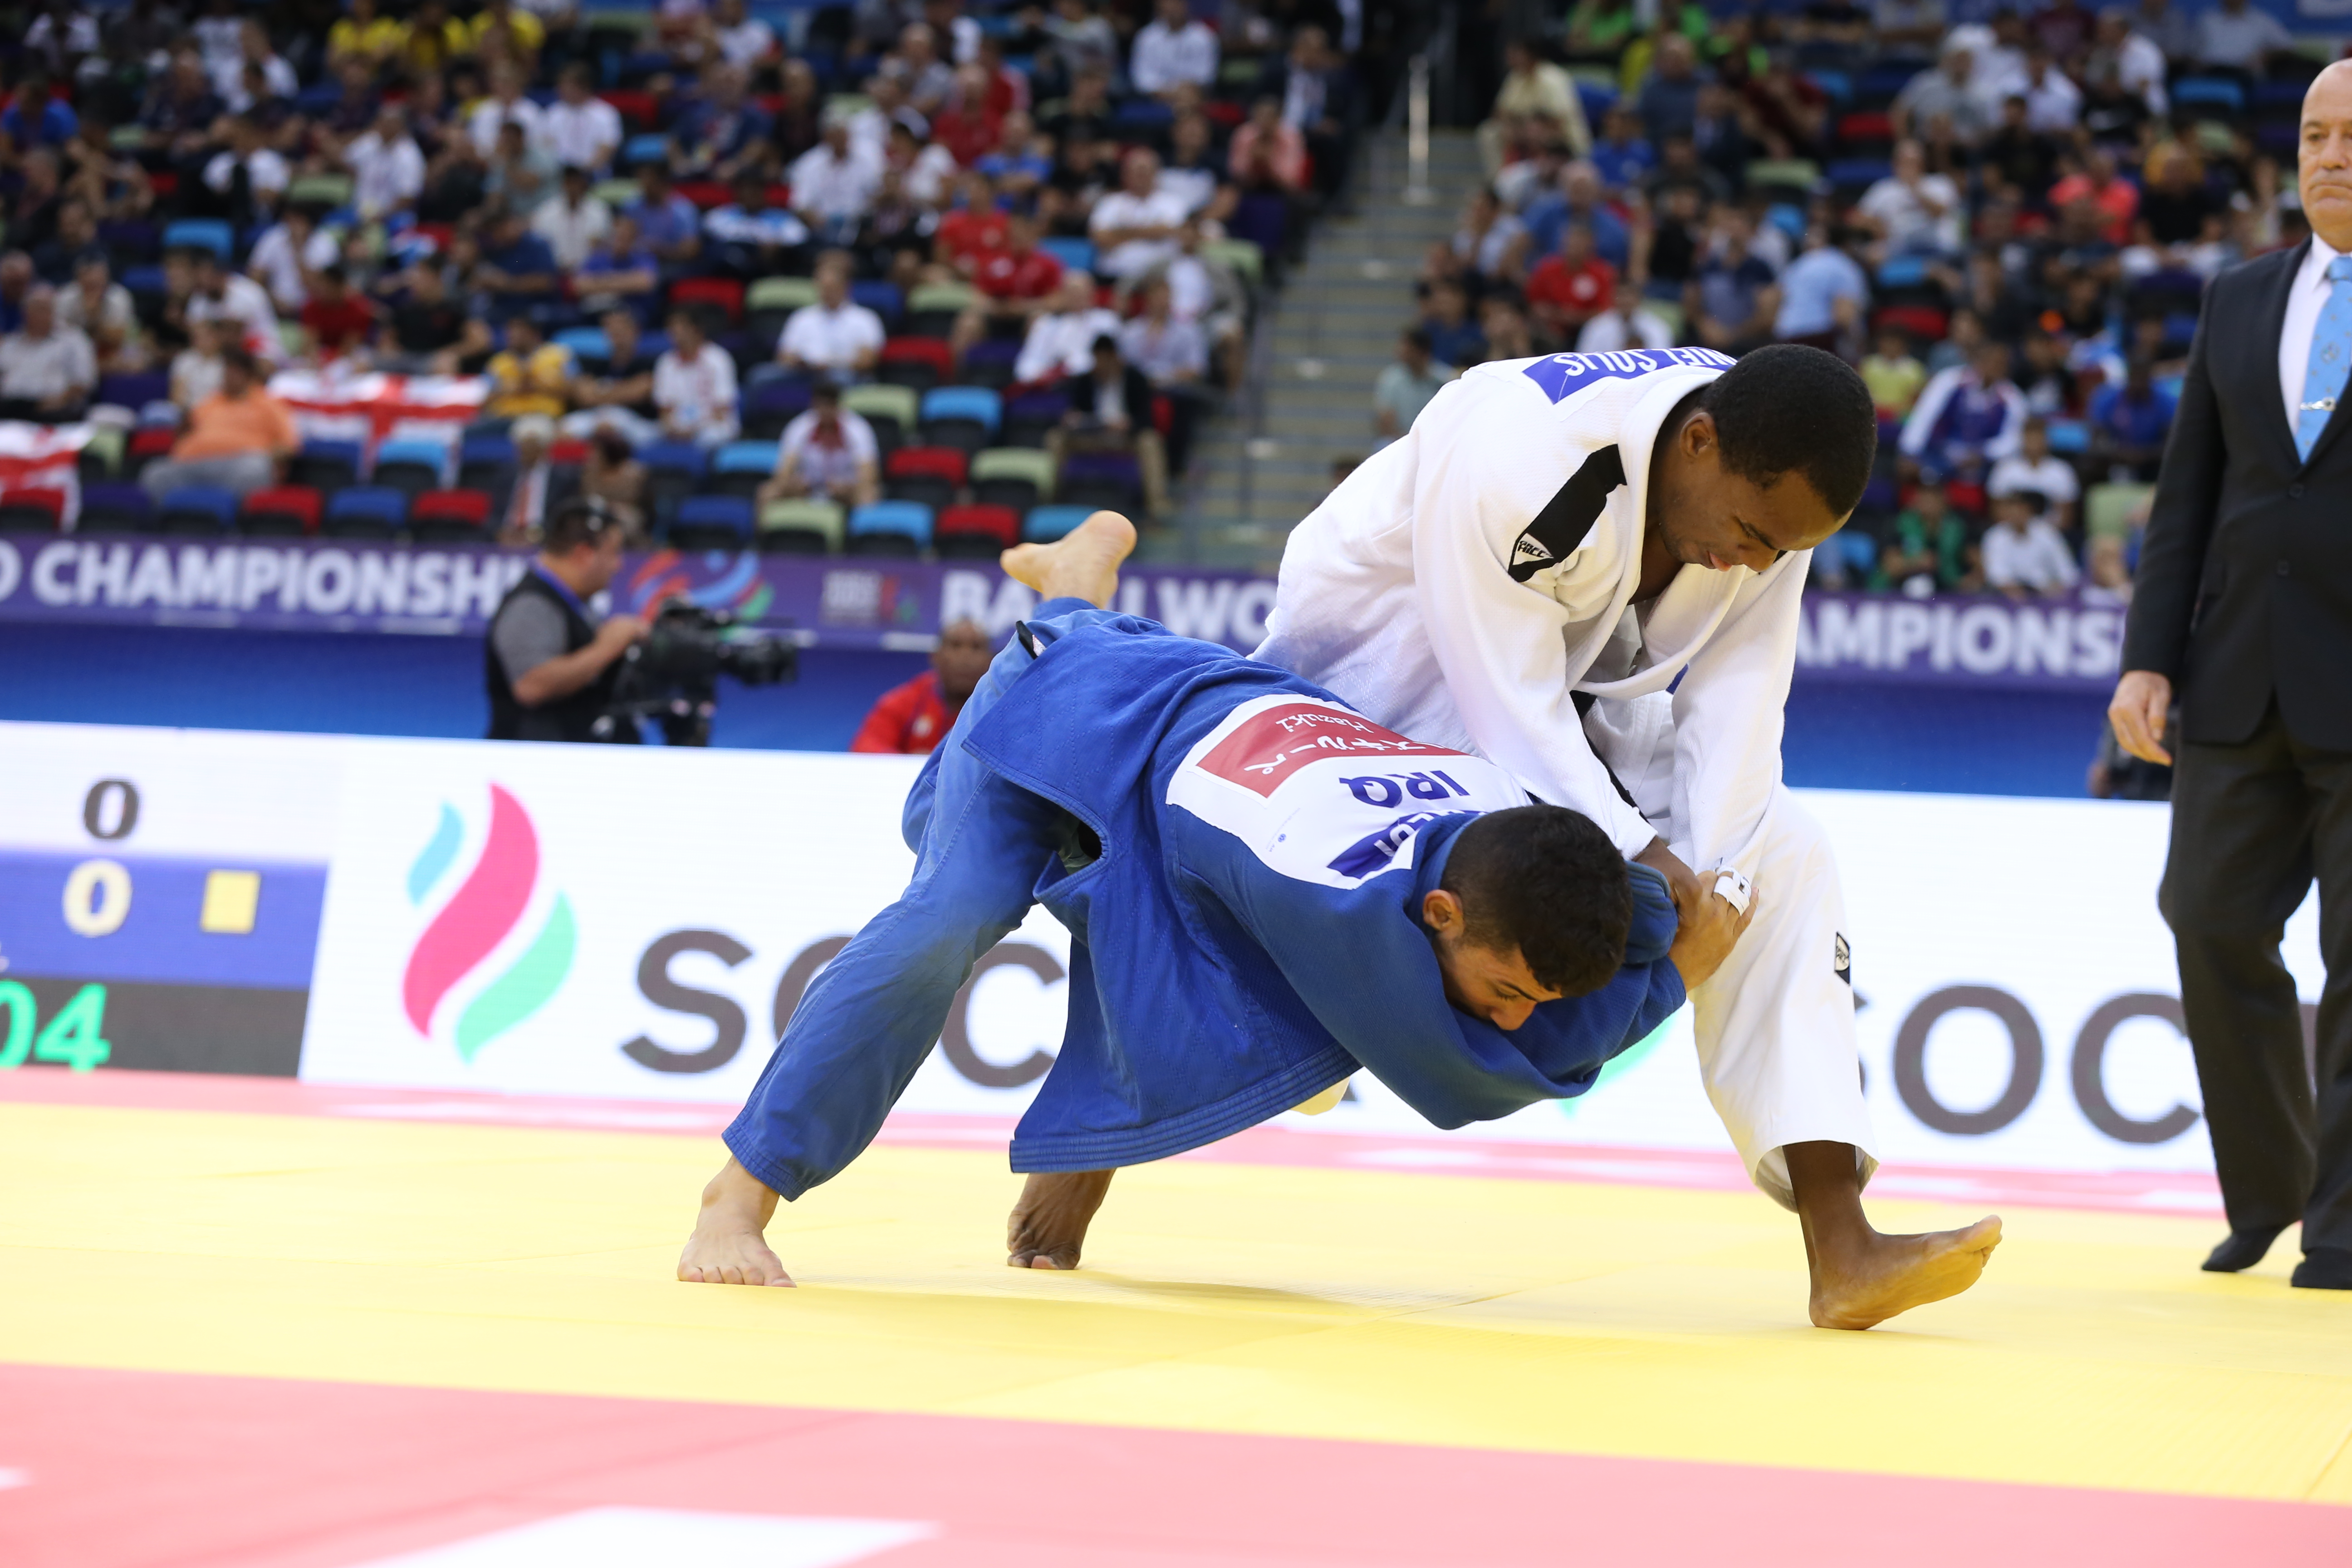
[873, 1012]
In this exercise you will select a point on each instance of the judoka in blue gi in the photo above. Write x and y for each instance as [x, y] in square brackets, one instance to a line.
[1265, 891]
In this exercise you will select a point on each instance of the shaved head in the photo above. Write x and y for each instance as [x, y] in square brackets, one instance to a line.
[2324, 166]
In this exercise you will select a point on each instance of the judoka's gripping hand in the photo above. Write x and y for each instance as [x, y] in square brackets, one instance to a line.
[1707, 930]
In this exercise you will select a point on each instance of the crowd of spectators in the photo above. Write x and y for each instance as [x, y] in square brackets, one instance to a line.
[753, 246]
[2005, 222]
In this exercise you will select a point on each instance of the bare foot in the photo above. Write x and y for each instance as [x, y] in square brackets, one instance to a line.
[1866, 1280]
[1082, 565]
[730, 1243]
[1048, 1224]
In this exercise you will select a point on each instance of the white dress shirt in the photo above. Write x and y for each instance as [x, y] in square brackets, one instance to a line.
[2306, 299]
[384, 175]
[1063, 344]
[1162, 58]
[826, 186]
[2034, 557]
[492, 114]
[831, 340]
[581, 135]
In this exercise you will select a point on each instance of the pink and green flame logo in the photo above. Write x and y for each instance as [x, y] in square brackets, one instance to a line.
[482, 912]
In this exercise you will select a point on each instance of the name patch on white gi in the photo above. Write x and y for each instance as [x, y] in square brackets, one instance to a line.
[1560, 375]
[1320, 793]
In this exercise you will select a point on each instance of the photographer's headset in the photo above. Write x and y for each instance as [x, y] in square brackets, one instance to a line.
[590, 514]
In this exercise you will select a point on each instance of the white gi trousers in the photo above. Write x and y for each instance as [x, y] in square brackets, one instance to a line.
[1777, 1047]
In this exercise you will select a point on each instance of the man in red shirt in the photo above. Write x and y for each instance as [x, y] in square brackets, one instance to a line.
[1569, 290]
[1015, 283]
[2115, 199]
[972, 230]
[337, 319]
[910, 718]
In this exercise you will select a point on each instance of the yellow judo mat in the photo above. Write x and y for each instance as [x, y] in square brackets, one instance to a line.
[1365, 1307]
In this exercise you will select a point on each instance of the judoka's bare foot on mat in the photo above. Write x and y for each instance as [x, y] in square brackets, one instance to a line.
[1860, 1276]
[730, 1243]
[1874, 1277]
[1081, 564]
[1049, 1223]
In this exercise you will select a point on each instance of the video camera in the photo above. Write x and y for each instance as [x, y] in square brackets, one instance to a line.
[673, 675]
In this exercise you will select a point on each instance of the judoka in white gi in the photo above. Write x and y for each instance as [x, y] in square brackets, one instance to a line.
[1586, 565]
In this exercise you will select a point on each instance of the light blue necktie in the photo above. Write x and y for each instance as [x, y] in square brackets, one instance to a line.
[2331, 358]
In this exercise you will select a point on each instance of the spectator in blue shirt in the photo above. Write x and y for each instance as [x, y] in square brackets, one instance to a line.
[1579, 200]
[666, 221]
[751, 240]
[1453, 338]
[1824, 293]
[1622, 158]
[518, 269]
[719, 133]
[1669, 100]
[53, 126]
[2129, 423]
[622, 273]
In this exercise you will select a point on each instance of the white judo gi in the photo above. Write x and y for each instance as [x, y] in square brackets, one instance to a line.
[1466, 581]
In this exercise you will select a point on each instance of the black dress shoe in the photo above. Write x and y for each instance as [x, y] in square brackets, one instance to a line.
[2325, 1268]
[2243, 1249]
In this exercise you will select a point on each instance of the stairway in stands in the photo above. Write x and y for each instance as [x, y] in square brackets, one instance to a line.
[1266, 462]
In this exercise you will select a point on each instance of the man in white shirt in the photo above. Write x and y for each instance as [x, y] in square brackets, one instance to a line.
[2035, 470]
[505, 102]
[286, 251]
[743, 40]
[2022, 553]
[220, 295]
[1174, 49]
[1062, 341]
[579, 129]
[1590, 572]
[387, 167]
[265, 169]
[47, 371]
[1138, 226]
[693, 386]
[1624, 325]
[1918, 213]
[834, 183]
[2139, 62]
[827, 451]
[2053, 104]
[836, 334]
[2236, 36]
[574, 222]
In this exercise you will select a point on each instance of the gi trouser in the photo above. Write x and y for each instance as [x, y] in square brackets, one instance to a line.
[872, 1014]
[1777, 1049]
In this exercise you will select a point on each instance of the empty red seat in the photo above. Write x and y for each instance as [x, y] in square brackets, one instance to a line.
[461, 505]
[705, 194]
[640, 108]
[154, 441]
[289, 508]
[1000, 523]
[724, 292]
[1922, 321]
[932, 351]
[928, 462]
[35, 498]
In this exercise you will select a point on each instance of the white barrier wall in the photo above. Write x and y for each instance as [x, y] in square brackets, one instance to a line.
[635, 922]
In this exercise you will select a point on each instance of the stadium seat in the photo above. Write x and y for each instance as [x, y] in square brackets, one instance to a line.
[889, 409]
[1924, 324]
[917, 362]
[101, 458]
[932, 307]
[288, 511]
[320, 192]
[2106, 509]
[713, 522]
[708, 297]
[412, 468]
[638, 110]
[771, 302]
[145, 446]
[1029, 416]
[705, 194]
[2069, 437]
[114, 508]
[771, 406]
[964, 417]
[805, 527]
[883, 299]
[367, 511]
[450, 517]
[199, 509]
[1902, 272]
[485, 463]
[201, 234]
[1245, 256]
[889, 528]
[2210, 92]
[31, 509]
[1045, 524]
[740, 468]
[646, 147]
[990, 363]
[327, 466]
[1095, 479]
[584, 343]
[674, 470]
[133, 390]
[975, 532]
[1018, 476]
[1852, 174]
[1075, 254]
[1796, 174]
[931, 475]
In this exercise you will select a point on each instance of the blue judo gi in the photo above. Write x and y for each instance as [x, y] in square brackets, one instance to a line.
[1241, 862]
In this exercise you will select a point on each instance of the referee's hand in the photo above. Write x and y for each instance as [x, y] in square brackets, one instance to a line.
[2141, 701]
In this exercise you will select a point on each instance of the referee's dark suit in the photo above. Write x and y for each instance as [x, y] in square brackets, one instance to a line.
[2244, 602]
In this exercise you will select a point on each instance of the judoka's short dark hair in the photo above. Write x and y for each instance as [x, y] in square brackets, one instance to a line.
[1787, 409]
[1545, 882]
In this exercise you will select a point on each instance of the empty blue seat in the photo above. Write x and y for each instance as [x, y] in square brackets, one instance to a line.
[649, 147]
[1073, 253]
[585, 342]
[199, 508]
[485, 451]
[2069, 436]
[114, 508]
[1903, 272]
[745, 458]
[713, 522]
[908, 518]
[673, 458]
[365, 511]
[1045, 524]
[430, 458]
[134, 391]
[2210, 92]
[201, 233]
[1859, 171]
[884, 299]
[977, 404]
[325, 464]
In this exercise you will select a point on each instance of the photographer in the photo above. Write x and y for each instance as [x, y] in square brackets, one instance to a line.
[549, 667]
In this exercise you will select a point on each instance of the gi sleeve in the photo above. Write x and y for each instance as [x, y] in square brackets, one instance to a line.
[1502, 644]
[1729, 712]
